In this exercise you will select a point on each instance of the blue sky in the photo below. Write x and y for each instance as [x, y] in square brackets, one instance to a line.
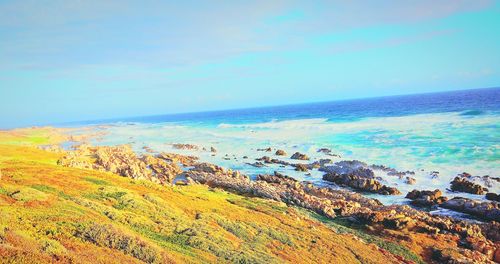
[65, 60]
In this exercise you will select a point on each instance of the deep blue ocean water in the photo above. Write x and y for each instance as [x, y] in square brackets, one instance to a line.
[469, 102]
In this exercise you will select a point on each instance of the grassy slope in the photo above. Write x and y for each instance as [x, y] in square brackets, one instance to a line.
[51, 213]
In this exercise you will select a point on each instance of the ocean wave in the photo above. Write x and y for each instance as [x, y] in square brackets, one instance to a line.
[472, 113]
[295, 123]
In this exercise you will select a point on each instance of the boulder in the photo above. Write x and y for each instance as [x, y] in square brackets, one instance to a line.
[461, 184]
[410, 180]
[426, 198]
[361, 183]
[299, 156]
[185, 146]
[493, 197]
[352, 167]
[280, 152]
[483, 210]
[301, 167]
[269, 149]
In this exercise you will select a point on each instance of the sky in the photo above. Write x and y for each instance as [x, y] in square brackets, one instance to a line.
[64, 60]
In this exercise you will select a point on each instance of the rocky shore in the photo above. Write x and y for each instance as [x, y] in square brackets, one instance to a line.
[357, 175]
[478, 242]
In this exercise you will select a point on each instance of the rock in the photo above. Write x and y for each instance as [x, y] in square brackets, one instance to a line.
[460, 184]
[301, 167]
[320, 163]
[123, 161]
[410, 180]
[256, 164]
[186, 161]
[361, 183]
[148, 149]
[391, 171]
[265, 159]
[426, 198]
[328, 152]
[486, 179]
[213, 150]
[434, 174]
[324, 150]
[353, 167]
[483, 210]
[280, 152]
[186, 146]
[299, 156]
[357, 175]
[493, 197]
[269, 149]
[269, 160]
[162, 170]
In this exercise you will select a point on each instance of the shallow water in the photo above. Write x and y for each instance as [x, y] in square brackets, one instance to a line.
[451, 133]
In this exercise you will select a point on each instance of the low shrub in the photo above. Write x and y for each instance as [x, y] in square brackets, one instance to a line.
[52, 247]
[108, 236]
[28, 195]
[96, 181]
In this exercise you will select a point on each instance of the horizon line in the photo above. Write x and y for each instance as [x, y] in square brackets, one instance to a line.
[123, 118]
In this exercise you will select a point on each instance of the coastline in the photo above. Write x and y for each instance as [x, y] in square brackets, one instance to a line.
[344, 205]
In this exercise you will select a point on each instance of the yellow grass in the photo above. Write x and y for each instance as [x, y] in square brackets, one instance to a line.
[50, 213]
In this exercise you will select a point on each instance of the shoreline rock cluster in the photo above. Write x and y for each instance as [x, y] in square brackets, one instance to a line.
[461, 184]
[357, 175]
[485, 210]
[426, 198]
[122, 160]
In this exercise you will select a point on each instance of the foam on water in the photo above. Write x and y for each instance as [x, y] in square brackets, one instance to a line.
[450, 143]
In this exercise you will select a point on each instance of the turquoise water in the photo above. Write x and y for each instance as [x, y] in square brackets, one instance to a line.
[451, 133]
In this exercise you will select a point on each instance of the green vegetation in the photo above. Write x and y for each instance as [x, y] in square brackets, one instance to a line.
[50, 213]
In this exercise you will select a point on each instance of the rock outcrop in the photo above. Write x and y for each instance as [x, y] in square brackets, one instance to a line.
[410, 180]
[426, 198]
[356, 175]
[361, 183]
[484, 210]
[123, 161]
[349, 167]
[186, 161]
[328, 152]
[493, 197]
[461, 184]
[269, 149]
[487, 180]
[185, 146]
[301, 167]
[299, 156]
[391, 171]
[280, 152]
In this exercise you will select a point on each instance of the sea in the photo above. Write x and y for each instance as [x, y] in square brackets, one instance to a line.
[447, 132]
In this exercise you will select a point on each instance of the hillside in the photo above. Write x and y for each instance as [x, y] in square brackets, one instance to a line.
[50, 213]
